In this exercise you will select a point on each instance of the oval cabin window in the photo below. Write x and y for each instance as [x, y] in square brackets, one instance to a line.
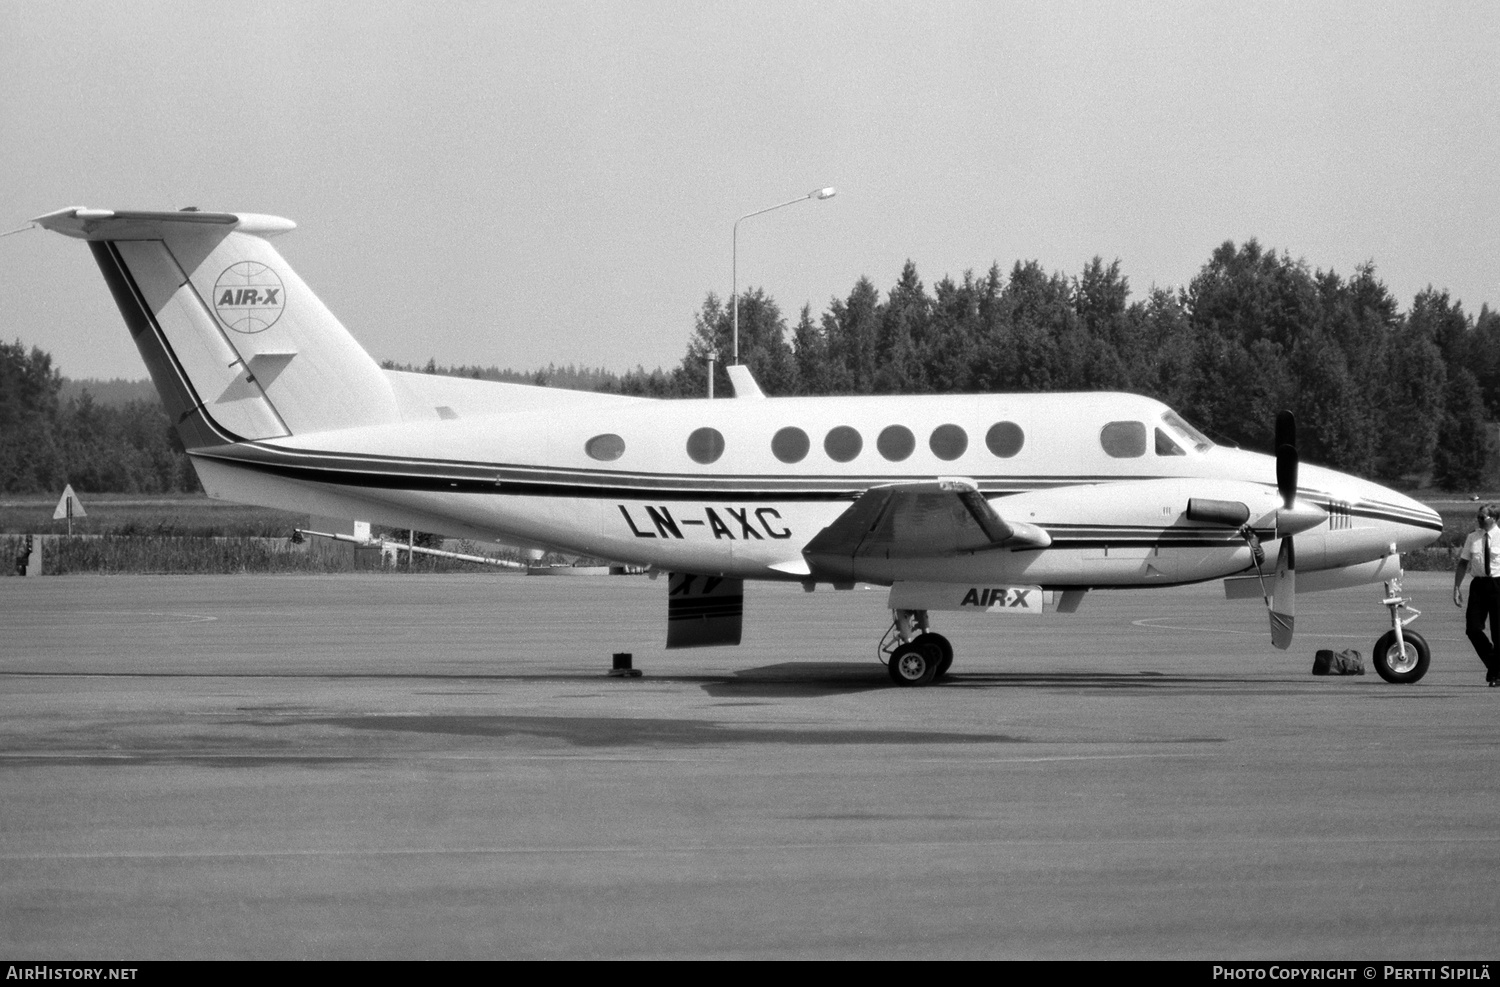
[948, 442]
[605, 448]
[790, 445]
[896, 442]
[842, 444]
[1123, 440]
[1005, 439]
[705, 445]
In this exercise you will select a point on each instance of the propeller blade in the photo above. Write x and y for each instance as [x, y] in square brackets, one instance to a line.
[1286, 457]
[1284, 596]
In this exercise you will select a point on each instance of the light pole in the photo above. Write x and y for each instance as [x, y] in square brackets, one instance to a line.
[734, 294]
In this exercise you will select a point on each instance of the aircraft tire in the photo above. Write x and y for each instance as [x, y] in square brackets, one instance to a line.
[913, 664]
[1402, 669]
[945, 651]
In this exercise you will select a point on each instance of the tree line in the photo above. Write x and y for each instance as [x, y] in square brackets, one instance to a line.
[46, 442]
[1404, 396]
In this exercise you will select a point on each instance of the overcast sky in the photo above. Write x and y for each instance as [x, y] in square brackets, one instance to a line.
[529, 183]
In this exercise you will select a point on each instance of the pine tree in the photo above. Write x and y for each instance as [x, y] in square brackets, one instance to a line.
[1417, 387]
[30, 459]
[811, 356]
[851, 328]
[1461, 461]
[1101, 297]
[903, 336]
[951, 356]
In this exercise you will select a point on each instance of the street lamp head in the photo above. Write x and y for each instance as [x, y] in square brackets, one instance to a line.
[734, 294]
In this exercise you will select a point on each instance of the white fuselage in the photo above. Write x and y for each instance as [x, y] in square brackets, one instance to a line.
[721, 487]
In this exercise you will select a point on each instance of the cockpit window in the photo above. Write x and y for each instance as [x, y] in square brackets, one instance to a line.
[1123, 440]
[1186, 432]
[1165, 446]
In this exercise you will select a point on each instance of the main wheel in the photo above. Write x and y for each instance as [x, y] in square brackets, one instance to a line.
[1401, 665]
[945, 651]
[913, 664]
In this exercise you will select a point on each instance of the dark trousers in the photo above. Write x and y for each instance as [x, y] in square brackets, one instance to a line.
[1484, 605]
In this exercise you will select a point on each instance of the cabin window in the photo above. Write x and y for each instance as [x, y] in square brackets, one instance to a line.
[1124, 440]
[705, 445]
[1005, 439]
[605, 448]
[1165, 446]
[948, 442]
[896, 443]
[790, 445]
[842, 444]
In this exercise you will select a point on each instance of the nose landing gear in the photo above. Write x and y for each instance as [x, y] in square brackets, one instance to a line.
[1401, 656]
[917, 656]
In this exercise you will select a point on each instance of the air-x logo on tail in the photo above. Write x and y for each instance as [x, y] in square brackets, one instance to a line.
[249, 297]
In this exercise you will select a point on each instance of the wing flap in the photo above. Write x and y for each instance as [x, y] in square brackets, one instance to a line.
[703, 611]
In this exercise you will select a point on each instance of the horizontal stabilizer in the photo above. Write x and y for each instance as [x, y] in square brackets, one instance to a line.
[118, 224]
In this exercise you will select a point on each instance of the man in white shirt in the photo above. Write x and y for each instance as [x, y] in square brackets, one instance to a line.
[1480, 558]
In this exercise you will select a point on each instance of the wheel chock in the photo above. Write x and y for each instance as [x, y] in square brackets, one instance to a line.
[621, 668]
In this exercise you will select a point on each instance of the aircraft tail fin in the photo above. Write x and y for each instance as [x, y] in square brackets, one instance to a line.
[237, 344]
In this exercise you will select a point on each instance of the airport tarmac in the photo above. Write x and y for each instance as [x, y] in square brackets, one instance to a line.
[385, 766]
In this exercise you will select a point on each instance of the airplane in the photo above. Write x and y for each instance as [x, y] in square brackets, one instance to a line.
[995, 503]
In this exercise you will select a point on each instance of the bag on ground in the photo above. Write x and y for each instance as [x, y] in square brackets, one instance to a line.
[1347, 662]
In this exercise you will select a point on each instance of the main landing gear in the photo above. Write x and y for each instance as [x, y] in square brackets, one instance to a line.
[1401, 656]
[917, 655]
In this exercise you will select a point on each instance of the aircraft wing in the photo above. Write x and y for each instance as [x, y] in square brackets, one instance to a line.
[924, 519]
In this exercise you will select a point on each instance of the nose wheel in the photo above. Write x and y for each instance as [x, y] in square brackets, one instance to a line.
[1401, 656]
[1404, 661]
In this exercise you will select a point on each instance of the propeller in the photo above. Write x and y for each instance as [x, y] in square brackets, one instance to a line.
[1282, 604]
[1286, 458]
[1285, 521]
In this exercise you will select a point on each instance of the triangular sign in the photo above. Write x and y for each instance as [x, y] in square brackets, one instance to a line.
[68, 505]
